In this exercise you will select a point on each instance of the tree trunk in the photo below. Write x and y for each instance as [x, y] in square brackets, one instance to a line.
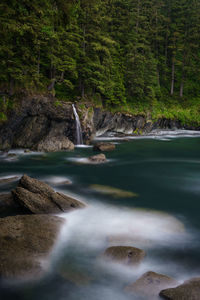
[138, 13]
[172, 81]
[82, 90]
[183, 75]
[182, 82]
[38, 63]
[62, 76]
[11, 87]
[51, 85]
[158, 77]
[166, 46]
[181, 89]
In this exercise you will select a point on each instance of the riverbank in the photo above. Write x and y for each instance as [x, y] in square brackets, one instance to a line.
[43, 123]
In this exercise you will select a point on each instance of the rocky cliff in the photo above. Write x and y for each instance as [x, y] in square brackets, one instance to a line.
[43, 124]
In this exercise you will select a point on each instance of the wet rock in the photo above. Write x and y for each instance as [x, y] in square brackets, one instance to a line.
[105, 121]
[53, 144]
[35, 121]
[104, 147]
[27, 151]
[7, 180]
[11, 155]
[99, 158]
[164, 123]
[109, 190]
[86, 114]
[128, 239]
[26, 241]
[75, 276]
[7, 203]
[189, 290]
[31, 130]
[125, 254]
[39, 198]
[149, 285]
[55, 140]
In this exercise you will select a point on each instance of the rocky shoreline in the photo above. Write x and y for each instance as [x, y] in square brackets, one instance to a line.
[42, 124]
[29, 231]
[29, 228]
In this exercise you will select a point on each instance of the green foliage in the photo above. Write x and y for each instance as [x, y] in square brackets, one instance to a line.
[129, 55]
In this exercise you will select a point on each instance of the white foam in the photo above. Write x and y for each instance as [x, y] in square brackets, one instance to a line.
[22, 152]
[99, 222]
[10, 176]
[56, 180]
[164, 135]
[87, 231]
[83, 146]
[85, 160]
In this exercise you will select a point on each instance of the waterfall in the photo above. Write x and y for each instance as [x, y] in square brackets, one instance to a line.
[79, 137]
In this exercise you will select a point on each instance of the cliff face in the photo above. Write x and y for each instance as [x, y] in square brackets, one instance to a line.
[40, 124]
[37, 121]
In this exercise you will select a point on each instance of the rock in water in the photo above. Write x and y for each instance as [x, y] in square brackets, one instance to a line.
[124, 254]
[53, 144]
[25, 242]
[150, 284]
[39, 198]
[97, 159]
[189, 290]
[104, 147]
[112, 191]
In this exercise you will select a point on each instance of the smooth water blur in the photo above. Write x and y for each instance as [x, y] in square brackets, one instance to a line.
[163, 218]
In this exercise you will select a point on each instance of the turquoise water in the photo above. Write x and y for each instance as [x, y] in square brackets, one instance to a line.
[165, 174]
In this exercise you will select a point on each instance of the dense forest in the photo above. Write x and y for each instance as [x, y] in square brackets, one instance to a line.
[130, 54]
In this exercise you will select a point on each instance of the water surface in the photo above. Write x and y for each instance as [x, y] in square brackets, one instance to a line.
[163, 170]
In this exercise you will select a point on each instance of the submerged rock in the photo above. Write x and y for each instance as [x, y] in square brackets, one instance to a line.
[39, 198]
[109, 190]
[25, 242]
[75, 276]
[99, 158]
[125, 255]
[104, 147]
[128, 239]
[149, 285]
[189, 290]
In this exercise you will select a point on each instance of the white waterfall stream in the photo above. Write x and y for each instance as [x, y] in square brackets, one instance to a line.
[79, 136]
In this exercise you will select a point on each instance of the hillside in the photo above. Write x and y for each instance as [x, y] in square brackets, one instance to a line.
[134, 56]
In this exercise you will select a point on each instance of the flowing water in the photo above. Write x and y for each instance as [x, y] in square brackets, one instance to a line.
[161, 172]
[79, 137]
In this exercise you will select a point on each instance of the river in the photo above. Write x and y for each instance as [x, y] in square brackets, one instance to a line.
[158, 206]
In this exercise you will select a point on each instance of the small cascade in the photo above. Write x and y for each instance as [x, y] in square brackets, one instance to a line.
[79, 136]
